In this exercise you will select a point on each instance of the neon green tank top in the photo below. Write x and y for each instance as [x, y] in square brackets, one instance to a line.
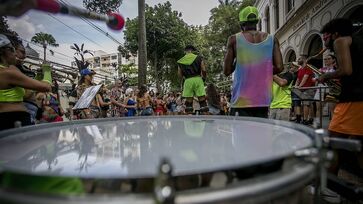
[15, 94]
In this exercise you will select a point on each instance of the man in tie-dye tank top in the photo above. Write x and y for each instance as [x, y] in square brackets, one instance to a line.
[253, 57]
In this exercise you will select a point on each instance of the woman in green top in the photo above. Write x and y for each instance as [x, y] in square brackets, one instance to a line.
[12, 84]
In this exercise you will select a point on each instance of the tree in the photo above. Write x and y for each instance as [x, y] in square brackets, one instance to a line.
[223, 23]
[102, 6]
[4, 29]
[45, 40]
[142, 43]
[166, 36]
[81, 63]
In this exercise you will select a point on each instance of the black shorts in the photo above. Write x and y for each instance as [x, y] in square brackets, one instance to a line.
[260, 112]
[8, 119]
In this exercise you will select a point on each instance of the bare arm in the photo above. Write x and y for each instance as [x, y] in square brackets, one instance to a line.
[16, 78]
[203, 70]
[303, 81]
[180, 73]
[344, 60]
[228, 67]
[280, 81]
[277, 57]
[114, 102]
[101, 102]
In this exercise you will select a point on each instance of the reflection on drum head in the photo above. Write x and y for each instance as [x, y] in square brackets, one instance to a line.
[132, 148]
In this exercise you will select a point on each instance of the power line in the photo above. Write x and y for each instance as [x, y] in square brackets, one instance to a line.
[96, 27]
[42, 47]
[101, 31]
[74, 30]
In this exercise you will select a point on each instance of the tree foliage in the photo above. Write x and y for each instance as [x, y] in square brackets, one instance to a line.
[81, 52]
[166, 36]
[4, 29]
[45, 40]
[102, 6]
[223, 23]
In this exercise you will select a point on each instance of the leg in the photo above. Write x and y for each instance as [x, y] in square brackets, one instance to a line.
[189, 105]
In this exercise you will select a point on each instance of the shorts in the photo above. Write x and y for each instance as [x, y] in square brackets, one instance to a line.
[147, 111]
[260, 112]
[8, 119]
[295, 100]
[193, 86]
[310, 93]
[32, 109]
[347, 119]
[280, 114]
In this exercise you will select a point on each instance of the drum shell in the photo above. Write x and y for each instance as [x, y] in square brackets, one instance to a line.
[283, 185]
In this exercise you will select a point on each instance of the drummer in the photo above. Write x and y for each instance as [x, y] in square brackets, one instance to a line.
[12, 84]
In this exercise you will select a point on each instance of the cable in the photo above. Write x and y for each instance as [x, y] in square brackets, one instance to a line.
[75, 30]
[48, 50]
[96, 27]
[101, 31]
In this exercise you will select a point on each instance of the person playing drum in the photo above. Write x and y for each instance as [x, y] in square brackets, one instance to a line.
[347, 118]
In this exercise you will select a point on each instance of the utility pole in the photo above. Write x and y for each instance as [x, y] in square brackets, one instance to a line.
[142, 52]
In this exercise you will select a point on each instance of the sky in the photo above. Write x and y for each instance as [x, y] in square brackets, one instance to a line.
[194, 12]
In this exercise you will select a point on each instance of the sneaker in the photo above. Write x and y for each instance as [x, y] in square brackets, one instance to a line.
[327, 194]
[330, 196]
[204, 109]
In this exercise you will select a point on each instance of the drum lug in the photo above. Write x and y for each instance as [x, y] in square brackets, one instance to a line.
[164, 190]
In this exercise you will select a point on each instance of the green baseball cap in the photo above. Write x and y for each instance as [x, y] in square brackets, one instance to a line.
[246, 12]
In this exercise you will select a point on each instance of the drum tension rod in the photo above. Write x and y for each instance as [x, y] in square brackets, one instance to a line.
[164, 188]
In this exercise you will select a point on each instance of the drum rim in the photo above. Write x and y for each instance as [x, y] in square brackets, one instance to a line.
[297, 127]
[302, 128]
[252, 192]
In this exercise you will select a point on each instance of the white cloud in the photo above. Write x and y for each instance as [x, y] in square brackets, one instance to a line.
[25, 27]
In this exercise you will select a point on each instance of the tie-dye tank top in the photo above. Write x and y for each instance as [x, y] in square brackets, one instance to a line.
[252, 82]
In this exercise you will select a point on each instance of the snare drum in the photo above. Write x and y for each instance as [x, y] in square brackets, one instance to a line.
[213, 160]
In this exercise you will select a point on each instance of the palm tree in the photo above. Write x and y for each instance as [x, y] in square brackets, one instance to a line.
[81, 63]
[142, 44]
[45, 40]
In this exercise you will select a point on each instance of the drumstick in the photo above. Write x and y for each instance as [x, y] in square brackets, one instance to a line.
[317, 55]
[113, 20]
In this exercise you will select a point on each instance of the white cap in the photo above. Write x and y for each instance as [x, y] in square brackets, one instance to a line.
[4, 40]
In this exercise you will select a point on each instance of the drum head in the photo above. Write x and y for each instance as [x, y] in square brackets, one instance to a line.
[133, 147]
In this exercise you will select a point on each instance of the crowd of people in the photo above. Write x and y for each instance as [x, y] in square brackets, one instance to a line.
[262, 86]
[122, 101]
[279, 95]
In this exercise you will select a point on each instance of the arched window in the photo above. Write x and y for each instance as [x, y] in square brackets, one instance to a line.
[277, 15]
[289, 5]
[291, 56]
[267, 15]
[315, 46]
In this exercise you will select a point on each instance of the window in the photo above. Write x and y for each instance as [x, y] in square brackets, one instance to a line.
[291, 56]
[267, 14]
[290, 5]
[114, 57]
[277, 15]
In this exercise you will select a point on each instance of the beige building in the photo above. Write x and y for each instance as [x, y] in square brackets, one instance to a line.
[296, 23]
[106, 64]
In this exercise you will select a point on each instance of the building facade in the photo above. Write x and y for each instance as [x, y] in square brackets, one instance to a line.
[106, 65]
[296, 23]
